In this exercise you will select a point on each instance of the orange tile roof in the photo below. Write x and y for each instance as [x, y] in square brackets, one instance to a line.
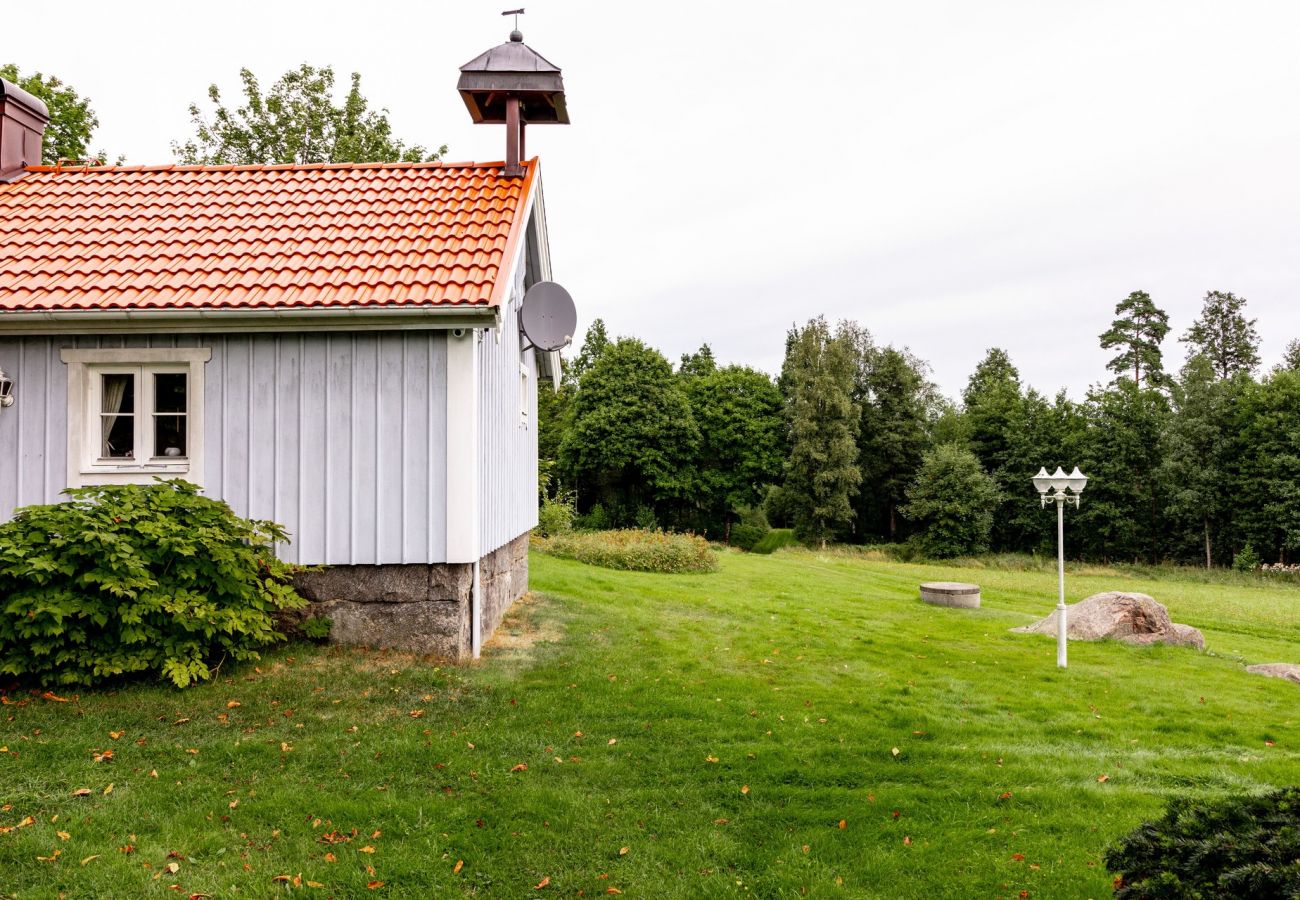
[258, 237]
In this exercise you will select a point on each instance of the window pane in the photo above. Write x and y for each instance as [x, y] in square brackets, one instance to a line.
[169, 435]
[169, 392]
[118, 423]
[119, 437]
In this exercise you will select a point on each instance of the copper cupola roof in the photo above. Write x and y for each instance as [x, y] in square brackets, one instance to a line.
[516, 70]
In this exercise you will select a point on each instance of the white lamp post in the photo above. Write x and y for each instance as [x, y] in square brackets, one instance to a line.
[1063, 489]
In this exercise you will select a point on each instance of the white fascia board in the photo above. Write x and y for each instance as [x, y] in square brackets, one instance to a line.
[352, 318]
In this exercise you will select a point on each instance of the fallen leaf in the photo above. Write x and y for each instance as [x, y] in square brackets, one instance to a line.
[108, 790]
[907, 841]
[106, 756]
[116, 734]
[1103, 778]
[57, 853]
[374, 885]
[417, 714]
[460, 864]
[613, 741]
[173, 867]
[180, 721]
[284, 878]
[543, 883]
[233, 803]
[49, 695]
[710, 759]
[330, 857]
[522, 767]
[744, 789]
[232, 704]
[127, 849]
[82, 792]
[1268, 743]
[89, 858]
[895, 751]
[376, 833]
[1005, 795]
[612, 890]
[63, 835]
[578, 734]
[843, 824]
[1018, 857]
[721, 821]
[366, 849]
[286, 747]
[315, 884]
[153, 773]
[622, 851]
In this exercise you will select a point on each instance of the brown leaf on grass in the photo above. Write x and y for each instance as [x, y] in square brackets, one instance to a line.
[374, 885]
[232, 704]
[108, 790]
[417, 714]
[173, 867]
[90, 858]
[106, 756]
[330, 857]
[376, 833]
[286, 747]
[710, 759]
[806, 848]
[895, 751]
[315, 884]
[1103, 778]
[57, 853]
[613, 741]
[907, 841]
[612, 890]
[283, 878]
[622, 851]
[721, 821]
[63, 835]
[460, 864]
[521, 767]
[1268, 743]
[543, 883]
[128, 849]
[82, 792]
[181, 721]
[366, 849]
[1018, 857]
[116, 734]
[843, 824]
[153, 773]
[50, 695]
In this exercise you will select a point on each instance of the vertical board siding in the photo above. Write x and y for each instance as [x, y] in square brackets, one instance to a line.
[507, 433]
[339, 437]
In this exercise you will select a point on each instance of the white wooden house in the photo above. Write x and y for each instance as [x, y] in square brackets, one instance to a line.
[333, 347]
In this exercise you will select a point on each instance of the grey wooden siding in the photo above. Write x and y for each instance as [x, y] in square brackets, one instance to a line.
[507, 432]
[339, 437]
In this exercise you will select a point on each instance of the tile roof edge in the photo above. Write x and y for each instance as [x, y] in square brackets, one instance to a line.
[502, 286]
[261, 167]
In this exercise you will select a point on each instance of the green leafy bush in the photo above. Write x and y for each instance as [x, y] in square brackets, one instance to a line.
[556, 515]
[952, 501]
[1235, 847]
[1247, 560]
[746, 536]
[316, 628]
[136, 579]
[636, 550]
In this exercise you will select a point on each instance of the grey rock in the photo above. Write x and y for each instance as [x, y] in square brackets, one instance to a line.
[1289, 671]
[1132, 617]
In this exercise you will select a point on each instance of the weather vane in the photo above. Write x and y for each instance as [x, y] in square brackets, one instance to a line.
[514, 12]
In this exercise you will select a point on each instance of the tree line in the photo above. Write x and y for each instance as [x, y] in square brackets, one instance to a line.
[853, 442]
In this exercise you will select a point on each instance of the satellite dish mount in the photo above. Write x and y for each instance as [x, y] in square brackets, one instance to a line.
[547, 317]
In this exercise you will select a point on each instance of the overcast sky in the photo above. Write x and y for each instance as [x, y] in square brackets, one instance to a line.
[953, 175]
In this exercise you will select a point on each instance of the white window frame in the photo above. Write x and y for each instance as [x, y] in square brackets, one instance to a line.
[85, 383]
[525, 386]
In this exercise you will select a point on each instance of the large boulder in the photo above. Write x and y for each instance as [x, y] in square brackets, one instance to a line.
[1136, 618]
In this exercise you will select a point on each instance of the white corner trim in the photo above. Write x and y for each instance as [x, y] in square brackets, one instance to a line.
[81, 369]
[462, 447]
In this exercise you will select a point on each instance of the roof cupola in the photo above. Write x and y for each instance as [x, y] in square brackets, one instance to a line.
[22, 128]
[515, 86]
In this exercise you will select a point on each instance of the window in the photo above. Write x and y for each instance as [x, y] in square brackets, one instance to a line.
[133, 414]
[524, 395]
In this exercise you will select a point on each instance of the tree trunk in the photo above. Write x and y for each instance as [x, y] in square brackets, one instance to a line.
[1209, 562]
[893, 524]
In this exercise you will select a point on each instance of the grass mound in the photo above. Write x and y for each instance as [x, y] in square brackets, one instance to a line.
[774, 540]
[636, 550]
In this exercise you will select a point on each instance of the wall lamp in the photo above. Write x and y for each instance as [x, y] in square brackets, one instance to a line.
[6, 390]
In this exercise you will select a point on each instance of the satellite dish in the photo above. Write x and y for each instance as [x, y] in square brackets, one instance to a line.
[547, 317]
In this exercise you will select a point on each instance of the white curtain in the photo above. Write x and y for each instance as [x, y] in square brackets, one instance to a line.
[114, 393]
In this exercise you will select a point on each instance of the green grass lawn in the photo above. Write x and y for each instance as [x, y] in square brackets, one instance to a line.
[792, 723]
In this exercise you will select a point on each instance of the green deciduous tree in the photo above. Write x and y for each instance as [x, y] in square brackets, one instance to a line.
[1196, 447]
[1290, 357]
[1266, 480]
[296, 121]
[738, 412]
[821, 473]
[632, 440]
[594, 343]
[699, 363]
[1225, 335]
[951, 501]
[1046, 433]
[894, 435]
[72, 121]
[1138, 330]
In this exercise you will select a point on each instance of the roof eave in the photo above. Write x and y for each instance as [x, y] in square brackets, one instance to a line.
[351, 318]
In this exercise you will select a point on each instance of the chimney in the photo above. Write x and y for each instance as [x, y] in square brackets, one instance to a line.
[513, 85]
[22, 127]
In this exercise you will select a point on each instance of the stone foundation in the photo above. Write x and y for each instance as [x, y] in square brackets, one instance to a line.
[416, 608]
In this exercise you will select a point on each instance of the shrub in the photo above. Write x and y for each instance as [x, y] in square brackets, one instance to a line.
[952, 500]
[316, 628]
[136, 579]
[1235, 847]
[746, 536]
[1247, 560]
[556, 516]
[596, 519]
[636, 550]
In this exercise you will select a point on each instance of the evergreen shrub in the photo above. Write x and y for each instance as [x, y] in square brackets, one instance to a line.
[745, 536]
[774, 540]
[125, 579]
[1247, 560]
[634, 549]
[1234, 847]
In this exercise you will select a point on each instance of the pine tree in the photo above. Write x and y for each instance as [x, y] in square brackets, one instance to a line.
[1290, 357]
[894, 433]
[1225, 335]
[594, 344]
[1138, 330]
[701, 362]
[821, 473]
[992, 402]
